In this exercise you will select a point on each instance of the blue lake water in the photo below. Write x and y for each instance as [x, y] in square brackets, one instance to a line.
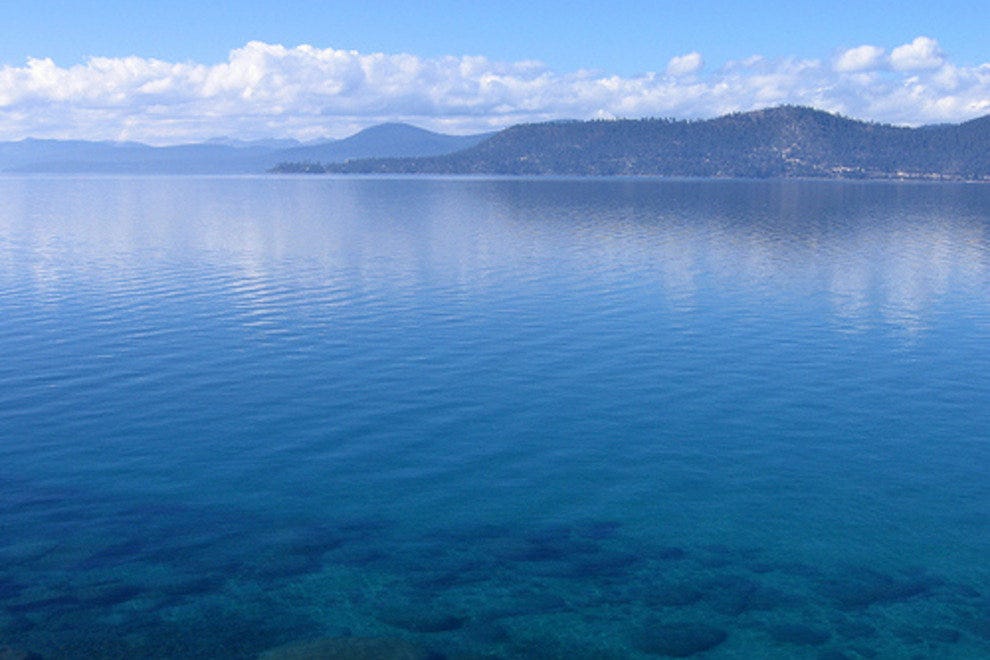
[494, 418]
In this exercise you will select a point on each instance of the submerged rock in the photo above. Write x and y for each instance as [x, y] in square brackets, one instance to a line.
[526, 602]
[980, 625]
[833, 654]
[318, 540]
[108, 595]
[280, 565]
[115, 554]
[936, 635]
[678, 640]
[421, 621]
[855, 629]
[799, 634]
[10, 588]
[57, 603]
[349, 648]
[602, 565]
[673, 594]
[540, 550]
[967, 591]
[599, 530]
[11, 653]
[188, 585]
[944, 635]
[670, 553]
[445, 579]
[732, 595]
[863, 588]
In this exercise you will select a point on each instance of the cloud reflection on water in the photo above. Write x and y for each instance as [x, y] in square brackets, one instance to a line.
[878, 254]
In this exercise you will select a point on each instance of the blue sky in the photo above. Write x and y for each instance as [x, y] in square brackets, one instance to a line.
[621, 36]
[621, 58]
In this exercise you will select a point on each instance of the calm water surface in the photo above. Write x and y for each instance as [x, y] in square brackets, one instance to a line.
[494, 418]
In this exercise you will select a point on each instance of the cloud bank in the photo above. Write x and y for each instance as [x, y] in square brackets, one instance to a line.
[269, 90]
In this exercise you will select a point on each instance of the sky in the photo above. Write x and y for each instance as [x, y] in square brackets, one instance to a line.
[171, 72]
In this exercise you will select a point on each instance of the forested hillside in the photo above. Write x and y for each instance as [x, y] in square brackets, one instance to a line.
[787, 141]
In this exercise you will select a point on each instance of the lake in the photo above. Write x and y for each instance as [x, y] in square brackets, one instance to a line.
[494, 418]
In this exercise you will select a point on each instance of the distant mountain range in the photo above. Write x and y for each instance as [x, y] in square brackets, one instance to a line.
[383, 141]
[781, 142]
[223, 155]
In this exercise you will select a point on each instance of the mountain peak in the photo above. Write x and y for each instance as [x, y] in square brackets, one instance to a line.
[778, 142]
[395, 139]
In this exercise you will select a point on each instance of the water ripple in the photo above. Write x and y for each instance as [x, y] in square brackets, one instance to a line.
[493, 415]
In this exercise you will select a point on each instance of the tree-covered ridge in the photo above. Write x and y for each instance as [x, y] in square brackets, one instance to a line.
[786, 141]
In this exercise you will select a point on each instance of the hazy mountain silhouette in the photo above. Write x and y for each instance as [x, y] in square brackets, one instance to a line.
[221, 155]
[383, 141]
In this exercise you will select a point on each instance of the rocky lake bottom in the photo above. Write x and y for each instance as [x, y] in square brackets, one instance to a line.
[284, 418]
[360, 588]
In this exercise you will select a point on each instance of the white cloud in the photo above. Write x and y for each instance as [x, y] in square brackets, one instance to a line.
[861, 58]
[922, 53]
[267, 90]
[683, 65]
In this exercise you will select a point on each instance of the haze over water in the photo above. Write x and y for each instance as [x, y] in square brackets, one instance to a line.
[505, 417]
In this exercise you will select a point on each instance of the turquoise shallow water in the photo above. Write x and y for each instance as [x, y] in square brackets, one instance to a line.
[494, 418]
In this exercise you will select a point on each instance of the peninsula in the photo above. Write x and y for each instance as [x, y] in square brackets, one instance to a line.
[780, 142]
